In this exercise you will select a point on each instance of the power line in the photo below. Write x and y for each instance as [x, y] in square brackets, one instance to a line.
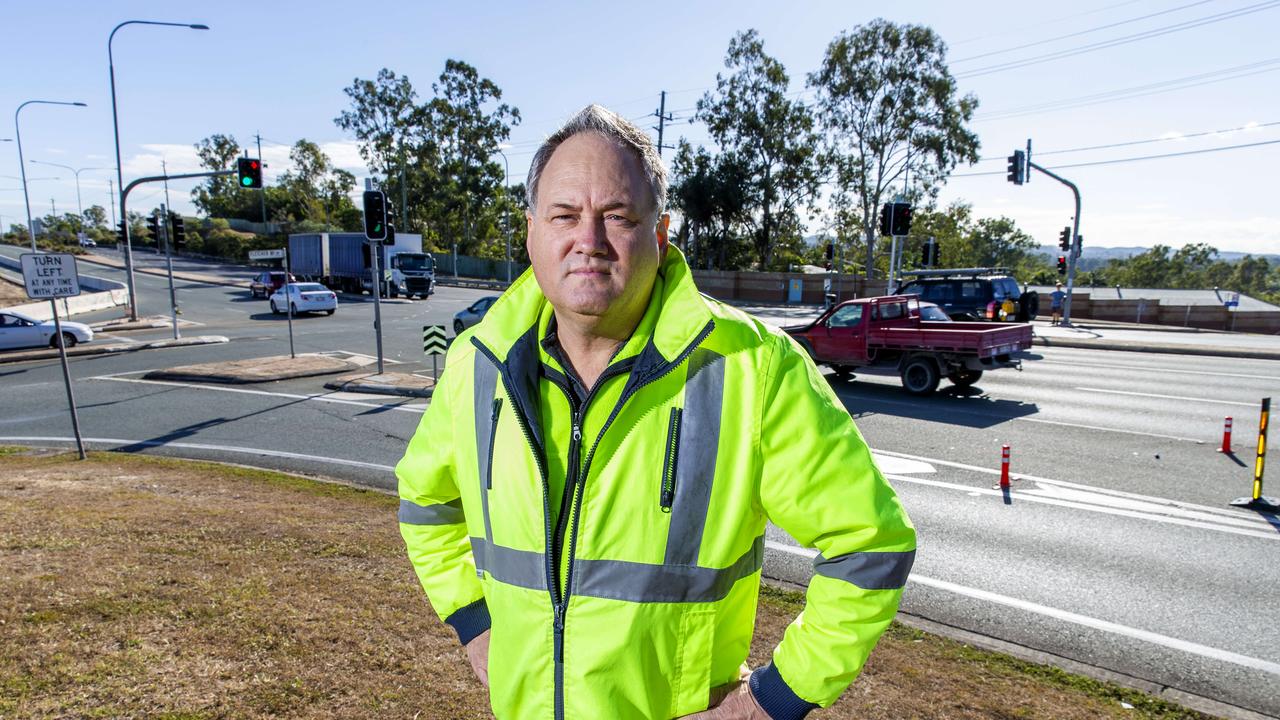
[1185, 136]
[1051, 21]
[1118, 161]
[1081, 32]
[1123, 40]
[1155, 88]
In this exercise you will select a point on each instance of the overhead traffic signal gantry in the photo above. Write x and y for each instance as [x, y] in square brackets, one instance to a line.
[249, 171]
[1017, 167]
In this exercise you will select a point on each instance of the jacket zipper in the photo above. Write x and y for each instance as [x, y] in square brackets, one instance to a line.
[493, 435]
[668, 495]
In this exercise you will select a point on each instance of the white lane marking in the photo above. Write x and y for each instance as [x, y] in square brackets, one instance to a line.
[1047, 422]
[1110, 430]
[1067, 616]
[1160, 370]
[319, 397]
[900, 465]
[1078, 486]
[1169, 518]
[1167, 397]
[204, 446]
[1095, 498]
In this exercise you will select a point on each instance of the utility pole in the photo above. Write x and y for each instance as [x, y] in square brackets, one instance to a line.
[111, 191]
[262, 191]
[664, 117]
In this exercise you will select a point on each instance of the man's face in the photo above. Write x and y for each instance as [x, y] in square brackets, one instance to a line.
[594, 239]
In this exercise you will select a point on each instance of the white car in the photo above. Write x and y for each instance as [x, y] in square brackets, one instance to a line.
[304, 297]
[473, 314]
[20, 331]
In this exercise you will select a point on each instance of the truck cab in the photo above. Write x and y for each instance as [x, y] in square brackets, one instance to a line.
[413, 273]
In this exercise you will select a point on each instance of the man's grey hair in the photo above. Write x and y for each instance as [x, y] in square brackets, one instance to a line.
[597, 119]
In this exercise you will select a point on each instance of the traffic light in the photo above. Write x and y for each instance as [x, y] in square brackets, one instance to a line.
[831, 251]
[375, 215]
[1064, 239]
[153, 227]
[929, 253]
[1017, 167]
[122, 234]
[886, 219]
[250, 171]
[901, 224]
[177, 230]
[1062, 264]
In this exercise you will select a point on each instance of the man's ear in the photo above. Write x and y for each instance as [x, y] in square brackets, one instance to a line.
[528, 231]
[664, 225]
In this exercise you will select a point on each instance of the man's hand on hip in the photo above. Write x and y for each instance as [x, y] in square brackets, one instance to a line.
[739, 704]
[478, 654]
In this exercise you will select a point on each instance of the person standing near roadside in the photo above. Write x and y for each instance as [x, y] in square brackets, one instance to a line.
[1056, 298]
[585, 499]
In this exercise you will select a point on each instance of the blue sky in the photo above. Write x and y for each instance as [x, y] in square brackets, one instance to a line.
[279, 69]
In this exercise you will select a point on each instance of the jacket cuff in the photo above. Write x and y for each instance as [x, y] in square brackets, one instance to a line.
[470, 620]
[776, 697]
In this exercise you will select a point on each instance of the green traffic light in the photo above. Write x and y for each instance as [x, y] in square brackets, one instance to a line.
[377, 228]
[246, 181]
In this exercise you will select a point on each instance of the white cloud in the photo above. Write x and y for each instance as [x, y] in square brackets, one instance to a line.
[345, 154]
[177, 159]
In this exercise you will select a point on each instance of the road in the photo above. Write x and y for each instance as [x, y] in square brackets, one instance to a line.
[1114, 547]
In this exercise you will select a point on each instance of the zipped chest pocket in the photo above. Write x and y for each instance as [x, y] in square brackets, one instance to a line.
[670, 459]
[493, 440]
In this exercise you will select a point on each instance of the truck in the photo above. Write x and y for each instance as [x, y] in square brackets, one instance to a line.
[343, 261]
[887, 334]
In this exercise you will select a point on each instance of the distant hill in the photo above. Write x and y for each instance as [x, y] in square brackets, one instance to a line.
[1093, 256]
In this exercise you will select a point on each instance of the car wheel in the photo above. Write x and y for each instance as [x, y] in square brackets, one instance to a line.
[274, 310]
[920, 376]
[328, 312]
[68, 340]
[1028, 306]
[844, 372]
[293, 307]
[458, 327]
[965, 378]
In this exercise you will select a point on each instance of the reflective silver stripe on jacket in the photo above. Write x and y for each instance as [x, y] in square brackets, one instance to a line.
[485, 384]
[449, 513]
[621, 579]
[699, 445]
[868, 570]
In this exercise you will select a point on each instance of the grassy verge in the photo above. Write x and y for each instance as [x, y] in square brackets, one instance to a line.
[147, 587]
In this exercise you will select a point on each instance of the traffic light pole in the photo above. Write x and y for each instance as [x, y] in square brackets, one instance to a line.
[1075, 242]
[124, 214]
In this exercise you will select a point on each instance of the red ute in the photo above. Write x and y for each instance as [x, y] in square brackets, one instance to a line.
[888, 331]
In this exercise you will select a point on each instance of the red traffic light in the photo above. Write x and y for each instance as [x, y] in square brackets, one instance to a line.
[1062, 264]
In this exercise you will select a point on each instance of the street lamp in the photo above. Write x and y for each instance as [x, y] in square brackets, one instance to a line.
[506, 216]
[79, 205]
[17, 131]
[115, 124]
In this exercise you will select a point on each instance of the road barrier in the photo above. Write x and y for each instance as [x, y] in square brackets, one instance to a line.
[1226, 437]
[1004, 467]
[1258, 501]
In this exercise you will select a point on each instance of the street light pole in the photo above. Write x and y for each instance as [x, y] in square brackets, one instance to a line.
[79, 204]
[506, 216]
[22, 163]
[115, 125]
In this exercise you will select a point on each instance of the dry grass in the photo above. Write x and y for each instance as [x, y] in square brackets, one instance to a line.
[141, 587]
[12, 293]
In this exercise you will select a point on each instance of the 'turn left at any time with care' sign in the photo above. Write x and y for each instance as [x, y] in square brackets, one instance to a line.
[50, 275]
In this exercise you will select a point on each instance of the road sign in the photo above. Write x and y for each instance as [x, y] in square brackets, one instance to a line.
[50, 275]
[1233, 300]
[434, 341]
[277, 254]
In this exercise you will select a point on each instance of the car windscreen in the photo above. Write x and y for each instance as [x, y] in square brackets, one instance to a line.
[415, 263]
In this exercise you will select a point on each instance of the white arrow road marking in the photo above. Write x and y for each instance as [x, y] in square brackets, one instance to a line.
[1066, 616]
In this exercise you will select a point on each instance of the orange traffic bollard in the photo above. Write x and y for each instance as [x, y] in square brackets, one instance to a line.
[1004, 466]
[1226, 437]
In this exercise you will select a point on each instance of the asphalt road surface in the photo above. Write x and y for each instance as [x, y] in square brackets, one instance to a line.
[1114, 547]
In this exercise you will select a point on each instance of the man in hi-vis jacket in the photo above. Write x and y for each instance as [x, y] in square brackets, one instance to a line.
[585, 499]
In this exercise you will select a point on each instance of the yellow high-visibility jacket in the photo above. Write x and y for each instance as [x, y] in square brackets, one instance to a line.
[614, 544]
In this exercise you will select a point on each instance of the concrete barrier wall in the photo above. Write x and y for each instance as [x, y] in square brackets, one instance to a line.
[1205, 317]
[102, 294]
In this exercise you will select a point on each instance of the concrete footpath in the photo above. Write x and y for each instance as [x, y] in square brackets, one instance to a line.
[283, 367]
